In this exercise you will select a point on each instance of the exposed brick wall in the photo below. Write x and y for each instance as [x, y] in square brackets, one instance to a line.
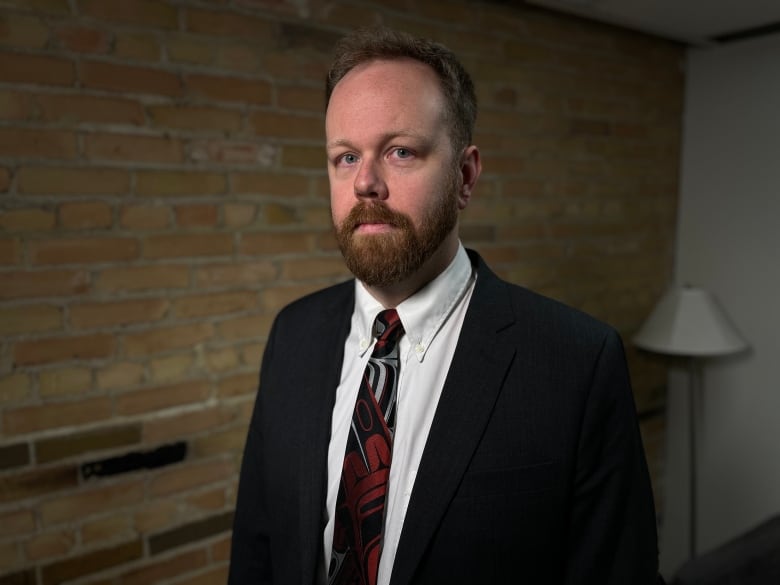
[163, 194]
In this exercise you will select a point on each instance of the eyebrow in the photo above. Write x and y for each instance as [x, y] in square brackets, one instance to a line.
[387, 137]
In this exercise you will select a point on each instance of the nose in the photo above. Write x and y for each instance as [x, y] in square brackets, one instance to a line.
[369, 181]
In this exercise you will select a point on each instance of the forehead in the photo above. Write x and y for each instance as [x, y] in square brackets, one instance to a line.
[390, 93]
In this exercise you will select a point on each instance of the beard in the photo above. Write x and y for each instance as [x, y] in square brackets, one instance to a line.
[389, 258]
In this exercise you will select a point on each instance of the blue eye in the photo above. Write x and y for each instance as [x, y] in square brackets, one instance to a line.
[403, 152]
[348, 159]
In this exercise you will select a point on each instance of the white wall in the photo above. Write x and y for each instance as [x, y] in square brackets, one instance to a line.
[729, 243]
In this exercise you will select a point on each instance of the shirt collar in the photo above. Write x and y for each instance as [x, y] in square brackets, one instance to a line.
[422, 314]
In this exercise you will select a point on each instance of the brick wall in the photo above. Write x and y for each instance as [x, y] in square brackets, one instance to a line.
[163, 194]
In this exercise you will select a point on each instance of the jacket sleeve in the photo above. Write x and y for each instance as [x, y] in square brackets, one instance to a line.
[250, 556]
[612, 531]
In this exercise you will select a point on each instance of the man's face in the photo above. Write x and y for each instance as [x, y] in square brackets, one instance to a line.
[394, 181]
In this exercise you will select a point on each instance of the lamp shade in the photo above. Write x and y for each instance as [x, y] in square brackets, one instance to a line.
[689, 322]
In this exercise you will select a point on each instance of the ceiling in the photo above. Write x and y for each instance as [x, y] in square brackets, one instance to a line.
[694, 22]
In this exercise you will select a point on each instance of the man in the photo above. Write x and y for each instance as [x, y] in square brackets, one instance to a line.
[508, 450]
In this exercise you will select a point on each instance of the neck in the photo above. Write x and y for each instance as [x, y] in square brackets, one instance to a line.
[393, 295]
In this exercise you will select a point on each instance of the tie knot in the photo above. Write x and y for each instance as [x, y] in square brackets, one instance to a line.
[388, 326]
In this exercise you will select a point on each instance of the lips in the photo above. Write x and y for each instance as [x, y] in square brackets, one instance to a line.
[370, 218]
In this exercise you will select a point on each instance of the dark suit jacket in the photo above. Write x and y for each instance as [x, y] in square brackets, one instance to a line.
[533, 472]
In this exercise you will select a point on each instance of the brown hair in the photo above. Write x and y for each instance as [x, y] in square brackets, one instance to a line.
[365, 45]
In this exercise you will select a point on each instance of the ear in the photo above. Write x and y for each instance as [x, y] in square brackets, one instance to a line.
[470, 169]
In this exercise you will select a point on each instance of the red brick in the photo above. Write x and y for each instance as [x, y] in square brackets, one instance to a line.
[10, 251]
[214, 304]
[220, 550]
[184, 48]
[23, 31]
[76, 109]
[28, 143]
[240, 385]
[179, 183]
[238, 214]
[27, 220]
[137, 278]
[287, 126]
[93, 562]
[143, 47]
[38, 351]
[165, 339]
[244, 274]
[15, 456]
[29, 319]
[83, 250]
[81, 443]
[160, 398]
[174, 368]
[120, 375]
[196, 215]
[114, 527]
[50, 544]
[144, 217]
[25, 284]
[306, 157]
[188, 245]
[86, 501]
[130, 79]
[198, 118]
[281, 214]
[19, 68]
[29, 484]
[85, 215]
[16, 522]
[161, 429]
[270, 184]
[231, 89]
[300, 98]
[5, 180]
[186, 477]
[590, 127]
[156, 515]
[30, 419]
[222, 359]
[229, 24]
[219, 442]
[83, 39]
[233, 151]
[210, 501]
[10, 559]
[276, 297]
[275, 243]
[15, 105]
[70, 181]
[65, 381]
[216, 575]
[132, 147]
[151, 13]
[117, 313]
[246, 327]
[314, 268]
[165, 569]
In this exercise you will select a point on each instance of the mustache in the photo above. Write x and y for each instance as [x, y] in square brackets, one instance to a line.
[373, 213]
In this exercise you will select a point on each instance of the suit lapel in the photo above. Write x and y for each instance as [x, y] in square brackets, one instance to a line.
[319, 380]
[469, 395]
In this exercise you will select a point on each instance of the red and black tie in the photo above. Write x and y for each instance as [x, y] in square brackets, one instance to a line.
[360, 506]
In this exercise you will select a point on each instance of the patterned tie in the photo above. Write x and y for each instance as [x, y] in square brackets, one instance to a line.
[360, 506]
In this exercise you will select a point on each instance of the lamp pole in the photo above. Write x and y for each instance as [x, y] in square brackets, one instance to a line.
[694, 383]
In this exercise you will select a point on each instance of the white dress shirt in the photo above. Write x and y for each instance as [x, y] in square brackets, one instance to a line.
[432, 319]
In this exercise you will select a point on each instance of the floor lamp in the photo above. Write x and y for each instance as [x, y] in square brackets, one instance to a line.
[688, 322]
